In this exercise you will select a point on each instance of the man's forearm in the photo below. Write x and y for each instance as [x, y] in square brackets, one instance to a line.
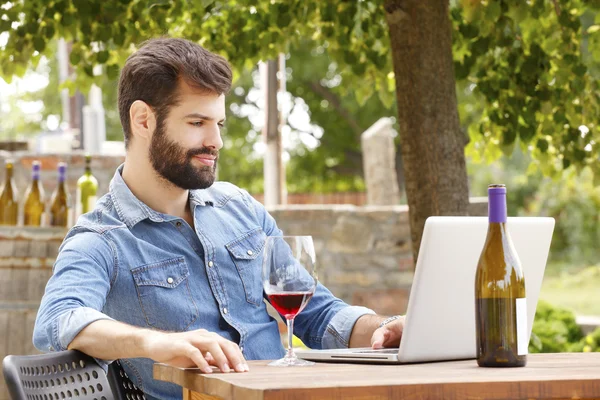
[363, 330]
[109, 340]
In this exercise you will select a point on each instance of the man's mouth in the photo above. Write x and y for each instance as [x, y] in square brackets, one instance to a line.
[206, 159]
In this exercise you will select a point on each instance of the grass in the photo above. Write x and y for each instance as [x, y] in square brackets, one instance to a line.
[578, 291]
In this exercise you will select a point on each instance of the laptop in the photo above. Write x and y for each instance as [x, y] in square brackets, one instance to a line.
[440, 318]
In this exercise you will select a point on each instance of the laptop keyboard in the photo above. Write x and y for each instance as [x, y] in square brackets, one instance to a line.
[378, 351]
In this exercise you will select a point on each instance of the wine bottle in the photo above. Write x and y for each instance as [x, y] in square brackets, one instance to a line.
[33, 209]
[87, 187]
[500, 303]
[9, 204]
[60, 203]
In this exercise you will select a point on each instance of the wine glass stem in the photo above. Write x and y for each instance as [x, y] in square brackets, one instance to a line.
[290, 329]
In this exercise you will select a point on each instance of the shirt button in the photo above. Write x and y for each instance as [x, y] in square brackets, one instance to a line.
[178, 223]
[250, 252]
[210, 263]
[169, 280]
[224, 311]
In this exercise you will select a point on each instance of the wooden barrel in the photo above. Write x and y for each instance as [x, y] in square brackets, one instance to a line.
[26, 259]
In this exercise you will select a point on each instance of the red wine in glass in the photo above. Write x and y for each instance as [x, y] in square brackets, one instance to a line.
[289, 304]
[289, 281]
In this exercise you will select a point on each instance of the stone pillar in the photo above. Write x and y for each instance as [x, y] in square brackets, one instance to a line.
[379, 163]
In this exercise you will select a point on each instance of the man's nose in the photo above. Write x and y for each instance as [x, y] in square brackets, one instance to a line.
[213, 137]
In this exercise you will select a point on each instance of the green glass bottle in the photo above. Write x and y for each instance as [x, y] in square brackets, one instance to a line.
[60, 203]
[33, 208]
[500, 302]
[9, 204]
[87, 187]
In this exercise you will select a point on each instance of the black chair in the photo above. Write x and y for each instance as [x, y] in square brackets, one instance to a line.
[64, 375]
[122, 387]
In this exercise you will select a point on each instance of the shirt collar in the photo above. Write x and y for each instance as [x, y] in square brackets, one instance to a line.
[132, 210]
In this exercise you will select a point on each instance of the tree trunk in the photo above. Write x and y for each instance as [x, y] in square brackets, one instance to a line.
[431, 141]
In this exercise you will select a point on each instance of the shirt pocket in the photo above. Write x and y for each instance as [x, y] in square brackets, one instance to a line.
[165, 297]
[246, 252]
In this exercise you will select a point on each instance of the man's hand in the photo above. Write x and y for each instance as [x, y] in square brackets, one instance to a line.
[199, 348]
[388, 335]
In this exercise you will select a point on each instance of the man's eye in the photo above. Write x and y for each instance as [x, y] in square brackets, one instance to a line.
[221, 125]
[198, 123]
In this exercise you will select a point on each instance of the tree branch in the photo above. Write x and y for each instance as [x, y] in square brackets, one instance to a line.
[334, 100]
[556, 8]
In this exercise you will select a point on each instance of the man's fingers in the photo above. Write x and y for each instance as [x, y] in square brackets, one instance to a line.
[378, 338]
[235, 356]
[218, 355]
[196, 356]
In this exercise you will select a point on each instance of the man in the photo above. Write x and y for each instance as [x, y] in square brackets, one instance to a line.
[167, 267]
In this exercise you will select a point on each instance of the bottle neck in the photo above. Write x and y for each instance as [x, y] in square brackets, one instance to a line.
[497, 208]
[9, 173]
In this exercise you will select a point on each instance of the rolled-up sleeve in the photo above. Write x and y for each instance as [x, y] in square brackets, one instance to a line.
[76, 293]
[338, 331]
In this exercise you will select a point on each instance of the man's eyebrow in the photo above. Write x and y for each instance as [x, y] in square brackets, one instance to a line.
[201, 116]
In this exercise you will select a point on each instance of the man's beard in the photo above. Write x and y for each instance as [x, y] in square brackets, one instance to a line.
[175, 164]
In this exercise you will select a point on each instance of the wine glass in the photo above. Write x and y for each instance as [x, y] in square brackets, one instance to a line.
[289, 281]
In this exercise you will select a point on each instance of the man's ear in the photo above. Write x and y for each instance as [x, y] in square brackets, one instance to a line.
[143, 120]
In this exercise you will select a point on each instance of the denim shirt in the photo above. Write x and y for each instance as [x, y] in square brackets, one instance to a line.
[127, 262]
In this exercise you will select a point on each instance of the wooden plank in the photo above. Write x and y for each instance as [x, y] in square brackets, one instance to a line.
[549, 376]
[19, 284]
[189, 395]
[17, 320]
[37, 278]
[29, 326]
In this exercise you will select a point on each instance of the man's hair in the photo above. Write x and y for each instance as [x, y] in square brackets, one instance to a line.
[152, 74]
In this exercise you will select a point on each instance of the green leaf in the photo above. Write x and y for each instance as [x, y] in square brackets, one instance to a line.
[526, 133]
[469, 31]
[102, 56]
[112, 71]
[543, 145]
[579, 69]
[21, 32]
[89, 70]
[105, 33]
[593, 28]
[67, 19]
[386, 97]
[4, 25]
[39, 44]
[32, 27]
[75, 57]
[493, 11]
[48, 31]
[363, 93]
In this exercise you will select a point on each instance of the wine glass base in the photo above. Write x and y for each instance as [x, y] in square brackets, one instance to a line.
[290, 362]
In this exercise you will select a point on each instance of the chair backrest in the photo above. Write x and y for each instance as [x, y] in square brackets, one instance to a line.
[64, 375]
[122, 387]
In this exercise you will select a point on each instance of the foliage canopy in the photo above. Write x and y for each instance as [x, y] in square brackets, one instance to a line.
[529, 68]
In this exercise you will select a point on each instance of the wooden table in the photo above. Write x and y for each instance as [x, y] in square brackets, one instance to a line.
[547, 376]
